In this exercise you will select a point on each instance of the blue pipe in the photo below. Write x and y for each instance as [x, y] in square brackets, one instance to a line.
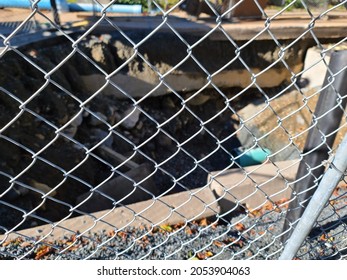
[75, 7]
[43, 4]
[129, 9]
[251, 157]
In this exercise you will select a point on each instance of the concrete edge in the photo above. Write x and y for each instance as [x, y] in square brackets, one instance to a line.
[226, 190]
[171, 209]
[254, 185]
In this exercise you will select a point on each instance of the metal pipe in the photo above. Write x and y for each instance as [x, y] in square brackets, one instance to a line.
[85, 7]
[73, 7]
[318, 201]
[43, 4]
[328, 114]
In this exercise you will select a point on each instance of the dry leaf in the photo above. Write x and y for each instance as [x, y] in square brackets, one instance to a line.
[205, 255]
[214, 225]
[188, 231]
[326, 238]
[145, 239]
[255, 213]
[323, 237]
[336, 192]
[218, 243]
[42, 251]
[240, 243]
[203, 222]
[178, 226]
[6, 243]
[73, 238]
[16, 241]
[25, 244]
[166, 228]
[282, 201]
[229, 240]
[268, 206]
[209, 254]
[240, 227]
[122, 234]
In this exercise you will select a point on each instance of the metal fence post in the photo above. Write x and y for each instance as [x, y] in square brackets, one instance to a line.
[55, 12]
[329, 182]
[328, 114]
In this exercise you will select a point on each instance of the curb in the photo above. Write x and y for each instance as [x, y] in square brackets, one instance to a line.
[262, 182]
[171, 209]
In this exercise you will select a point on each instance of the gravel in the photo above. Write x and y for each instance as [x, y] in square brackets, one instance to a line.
[249, 235]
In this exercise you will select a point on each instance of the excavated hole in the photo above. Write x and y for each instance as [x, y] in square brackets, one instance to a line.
[198, 131]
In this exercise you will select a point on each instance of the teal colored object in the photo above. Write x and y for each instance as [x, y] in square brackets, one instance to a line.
[115, 8]
[62, 6]
[252, 157]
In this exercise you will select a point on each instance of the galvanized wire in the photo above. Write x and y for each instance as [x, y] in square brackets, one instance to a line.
[168, 154]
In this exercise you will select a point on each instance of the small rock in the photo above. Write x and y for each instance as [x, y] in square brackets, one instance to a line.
[164, 141]
[105, 38]
[78, 120]
[97, 119]
[42, 187]
[40, 136]
[70, 131]
[139, 125]
[85, 114]
[99, 135]
[130, 118]
[115, 118]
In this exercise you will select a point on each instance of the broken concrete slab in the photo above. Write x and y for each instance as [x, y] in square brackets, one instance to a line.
[130, 117]
[253, 185]
[121, 189]
[171, 209]
[316, 64]
[281, 125]
[146, 82]
[261, 124]
[162, 73]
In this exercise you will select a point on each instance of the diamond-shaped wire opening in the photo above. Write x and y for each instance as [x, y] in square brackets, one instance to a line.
[94, 135]
[15, 68]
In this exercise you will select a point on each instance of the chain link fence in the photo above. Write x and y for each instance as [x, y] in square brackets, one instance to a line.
[199, 132]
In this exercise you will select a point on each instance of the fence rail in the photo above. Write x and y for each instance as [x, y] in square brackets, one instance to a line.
[199, 132]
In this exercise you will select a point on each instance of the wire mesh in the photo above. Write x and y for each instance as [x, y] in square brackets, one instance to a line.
[164, 137]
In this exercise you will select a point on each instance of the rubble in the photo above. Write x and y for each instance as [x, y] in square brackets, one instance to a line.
[85, 139]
